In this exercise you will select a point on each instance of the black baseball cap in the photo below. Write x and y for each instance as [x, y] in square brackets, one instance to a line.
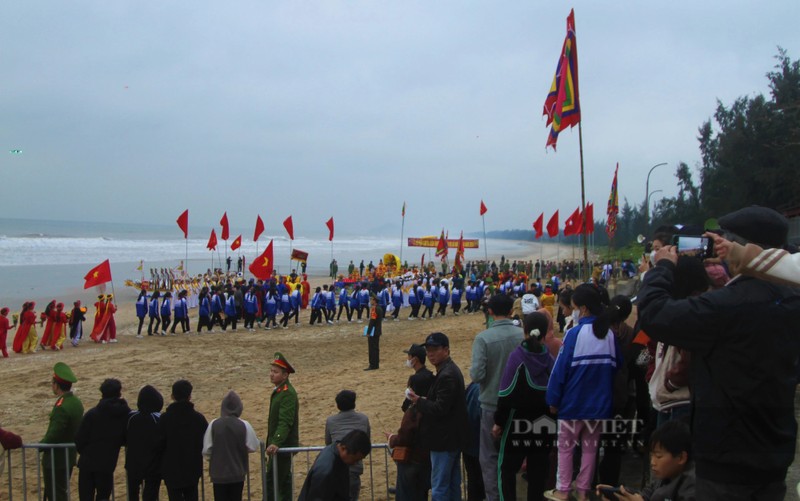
[436, 339]
[417, 351]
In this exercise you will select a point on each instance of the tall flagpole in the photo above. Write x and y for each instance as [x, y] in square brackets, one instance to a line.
[185, 266]
[402, 228]
[485, 248]
[583, 203]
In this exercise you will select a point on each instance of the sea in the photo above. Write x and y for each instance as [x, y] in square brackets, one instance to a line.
[41, 260]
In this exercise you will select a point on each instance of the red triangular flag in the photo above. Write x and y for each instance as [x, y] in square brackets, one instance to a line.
[329, 224]
[574, 224]
[98, 275]
[289, 227]
[261, 267]
[537, 225]
[236, 243]
[483, 208]
[588, 218]
[183, 223]
[212, 240]
[552, 226]
[259, 228]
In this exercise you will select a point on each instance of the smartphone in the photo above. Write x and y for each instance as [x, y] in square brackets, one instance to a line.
[694, 245]
[610, 492]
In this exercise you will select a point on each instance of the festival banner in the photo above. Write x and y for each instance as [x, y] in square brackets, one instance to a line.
[298, 255]
[613, 207]
[432, 242]
[562, 105]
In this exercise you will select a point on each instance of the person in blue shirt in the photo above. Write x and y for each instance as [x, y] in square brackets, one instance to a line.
[353, 302]
[166, 312]
[316, 307]
[286, 309]
[444, 297]
[363, 300]
[231, 313]
[397, 299]
[414, 301]
[152, 312]
[296, 300]
[181, 310]
[217, 307]
[344, 305]
[271, 300]
[580, 389]
[141, 310]
[427, 302]
[250, 309]
[455, 299]
[204, 311]
[330, 305]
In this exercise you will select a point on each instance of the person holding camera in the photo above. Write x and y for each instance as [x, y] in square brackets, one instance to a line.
[744, 344]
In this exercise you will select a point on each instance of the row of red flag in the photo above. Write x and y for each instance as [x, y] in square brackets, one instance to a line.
[183, 224]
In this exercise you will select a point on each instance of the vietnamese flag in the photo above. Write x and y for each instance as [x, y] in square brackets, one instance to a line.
[574, 224]
[261, 267]
[225, 229]
[98, 275]
[483, 208]
[236, 243]
[212, 241]
[259, 228]
[552, 226]
[329, 224]
[287, 223]
[183, 224]
[537, 225]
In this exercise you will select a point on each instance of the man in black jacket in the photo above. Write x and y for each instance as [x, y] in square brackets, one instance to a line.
[99, 438]
[142, 454]
[444, 419]
[182, 429]
[745, 345]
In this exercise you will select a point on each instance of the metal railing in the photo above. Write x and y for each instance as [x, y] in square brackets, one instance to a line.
[20, 483]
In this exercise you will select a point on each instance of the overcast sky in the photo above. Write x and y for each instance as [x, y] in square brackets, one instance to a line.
[134, 111]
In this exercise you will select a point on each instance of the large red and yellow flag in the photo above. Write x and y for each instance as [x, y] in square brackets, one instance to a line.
[562, 105]
[98, 275]
[441, 247]
[459, 265]
[613, 207]
[236, 243]
[261, 267]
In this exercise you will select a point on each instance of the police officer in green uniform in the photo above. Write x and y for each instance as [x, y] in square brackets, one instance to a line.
[282, 430]
[64, 421]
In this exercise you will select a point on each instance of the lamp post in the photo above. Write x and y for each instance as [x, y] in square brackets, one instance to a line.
[650, 195]
[647, 197]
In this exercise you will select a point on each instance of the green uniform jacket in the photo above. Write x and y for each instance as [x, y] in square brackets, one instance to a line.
[65, 418]
[284, 411]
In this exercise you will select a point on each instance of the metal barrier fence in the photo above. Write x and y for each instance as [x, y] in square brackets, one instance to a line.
[26, 475]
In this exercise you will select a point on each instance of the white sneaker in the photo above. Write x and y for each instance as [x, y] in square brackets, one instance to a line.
[139, 336]
[103, 342]
[114, 340]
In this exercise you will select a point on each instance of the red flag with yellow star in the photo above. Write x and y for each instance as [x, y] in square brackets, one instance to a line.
[98, 275]
[261, 267]
[236, 243]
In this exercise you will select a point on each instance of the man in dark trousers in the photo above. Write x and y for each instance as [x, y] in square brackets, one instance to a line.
[65, 418]
[99, 438]
[373, 333]
[444, 419]
[282, 428]
[182, 429]
[142, 453]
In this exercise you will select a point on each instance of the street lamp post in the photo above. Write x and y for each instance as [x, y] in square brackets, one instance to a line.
[647, 196]
[653, 193]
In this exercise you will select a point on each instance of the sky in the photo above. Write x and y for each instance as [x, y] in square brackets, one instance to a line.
[134, 111]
